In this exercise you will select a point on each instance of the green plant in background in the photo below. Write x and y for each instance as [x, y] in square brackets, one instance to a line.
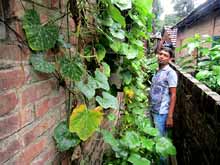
[110, 40]
[207, 61]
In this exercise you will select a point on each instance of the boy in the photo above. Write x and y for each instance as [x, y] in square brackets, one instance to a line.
[163, 92]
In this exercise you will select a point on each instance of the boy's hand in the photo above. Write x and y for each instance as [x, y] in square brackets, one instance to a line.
[169, 122]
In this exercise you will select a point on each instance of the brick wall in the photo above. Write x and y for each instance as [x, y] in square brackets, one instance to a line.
[31, 105]
[196, 123]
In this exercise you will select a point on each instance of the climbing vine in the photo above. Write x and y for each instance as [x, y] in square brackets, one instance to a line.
[110, 35]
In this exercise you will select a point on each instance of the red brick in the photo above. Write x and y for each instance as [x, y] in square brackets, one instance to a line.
[45, 156]
[35, 92]
[8, 102]
[31, 151]
[56, 100]
[9, 149]
[12, 78]
[55, 4]
[41, 108]
[26, 116]
[63, 112]
[16, 9]
[38, 130]
[9, 125]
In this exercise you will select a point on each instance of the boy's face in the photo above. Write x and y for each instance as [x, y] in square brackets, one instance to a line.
[163, 57]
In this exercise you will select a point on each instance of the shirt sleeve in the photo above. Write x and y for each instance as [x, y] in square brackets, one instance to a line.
[172, 79]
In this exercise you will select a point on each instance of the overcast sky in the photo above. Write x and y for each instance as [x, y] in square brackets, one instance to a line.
[168, 6]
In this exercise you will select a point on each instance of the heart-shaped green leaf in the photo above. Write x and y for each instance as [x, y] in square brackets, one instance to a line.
[116, 15]
[147, 143]
[131, 140]
[106, 69]
[71, 69]
[64, 138]
[41, 65]
[39, 37]
[203, 74]
[165, 147]
[136, 159]
[31, 17]
[107, 101]
[101, 80]
[117, 33]
[122, 4]
[88, 89]
[84, 122]
[100, 52]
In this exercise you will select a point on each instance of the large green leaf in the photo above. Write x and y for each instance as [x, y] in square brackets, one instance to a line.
[100, 52]
[107, 101]
[136, 159]
[164, 147]
[143, 6]
[131, 140]
[203, 74]
[216, 69]
[71, 69]
[127, 77]
[147, 143]
[41, 65]
[118, 33]
[64, 138]
[84, 122]
[31, 17]
[106, 69]
[39, 37]
[132, 52]
[122, 4]
[116, 46]
[116, 15]
[109, 138]
[88, 89]
[101, 80]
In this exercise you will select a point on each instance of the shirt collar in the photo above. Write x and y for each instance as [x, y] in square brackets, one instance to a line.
[165, 68]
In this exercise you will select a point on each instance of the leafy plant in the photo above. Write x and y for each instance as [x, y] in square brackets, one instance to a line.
[84, 122]
[207, 59]
[110, 38]
[64, 138]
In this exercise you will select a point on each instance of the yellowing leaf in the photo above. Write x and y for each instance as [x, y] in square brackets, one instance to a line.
[84, 122]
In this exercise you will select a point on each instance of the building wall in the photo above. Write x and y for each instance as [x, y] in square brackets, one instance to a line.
[196, 131]
[208, 25]
[31, 104]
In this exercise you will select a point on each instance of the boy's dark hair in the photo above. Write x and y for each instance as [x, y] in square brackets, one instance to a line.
[169, 50]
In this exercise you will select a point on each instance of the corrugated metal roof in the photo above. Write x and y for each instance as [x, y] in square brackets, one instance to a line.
[196, 14]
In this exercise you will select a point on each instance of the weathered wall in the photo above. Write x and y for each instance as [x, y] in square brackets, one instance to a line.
[196, 123]
[208, 25]
[31, 105]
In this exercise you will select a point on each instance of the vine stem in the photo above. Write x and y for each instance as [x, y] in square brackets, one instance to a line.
[17, 35]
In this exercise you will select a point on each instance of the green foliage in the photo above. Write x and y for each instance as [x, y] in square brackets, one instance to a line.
[41, 65]
[107, 101]
[101, 80]
[84, 122]
[64, 138]
[88, 89]
[137, 160]
[40, 37]
[70, 69]
[113, 41]
[208, 60]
